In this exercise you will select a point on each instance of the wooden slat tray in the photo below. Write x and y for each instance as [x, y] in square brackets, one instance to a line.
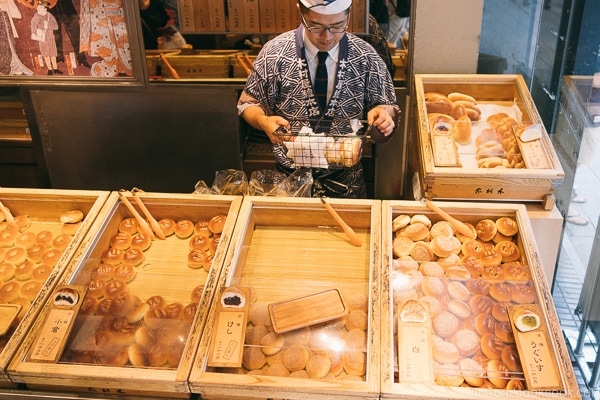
[43, 207]
[473, 380]
[164, 299]
[466, 181]
[286, 248]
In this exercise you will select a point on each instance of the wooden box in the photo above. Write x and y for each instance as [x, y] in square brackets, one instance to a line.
[471, 342]
[199, 64]
[28, 284]
[137, 327]
[291, 250]
[528, 171]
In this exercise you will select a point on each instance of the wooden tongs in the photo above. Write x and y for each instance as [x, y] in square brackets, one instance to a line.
[347, 228]
[458, 226]
[7, 215]
[149, 226]
[245, 61]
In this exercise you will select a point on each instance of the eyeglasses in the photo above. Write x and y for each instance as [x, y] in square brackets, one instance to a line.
[320, 29]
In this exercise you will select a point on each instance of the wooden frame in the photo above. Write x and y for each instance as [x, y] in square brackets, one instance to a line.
[71, 43]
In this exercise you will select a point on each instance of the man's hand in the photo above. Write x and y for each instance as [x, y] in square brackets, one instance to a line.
[381, 118]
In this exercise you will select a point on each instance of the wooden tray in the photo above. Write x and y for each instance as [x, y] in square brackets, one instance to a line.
[44, 208]
[467, 182]
[533, 277]
[286, 248]
[86, 365]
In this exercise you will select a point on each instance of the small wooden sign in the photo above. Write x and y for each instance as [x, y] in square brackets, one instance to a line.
[535, 350]
[229, 333]
[312, 309]
[415, 355]
[54, 333]
[8, 313]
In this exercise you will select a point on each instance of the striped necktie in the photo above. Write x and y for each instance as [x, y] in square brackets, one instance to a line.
[321, 80]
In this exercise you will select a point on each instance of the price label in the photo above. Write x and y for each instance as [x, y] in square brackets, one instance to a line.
[415, 356]
[444, 151]
[534, 155]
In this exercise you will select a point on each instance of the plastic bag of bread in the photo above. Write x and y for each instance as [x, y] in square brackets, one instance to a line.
[275, 183]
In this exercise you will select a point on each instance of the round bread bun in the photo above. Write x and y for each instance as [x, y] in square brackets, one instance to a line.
[472, 371]
[522, 293]
[490, 256]
[503, 331]
[272, 343]
[478, 285]
[507, 226]
[201, 228]
[88, 305]
[103, 307]
[112, 256]
[114, 288]
[421, 218]
[500, 311]
[355, 363]
[196, 294]
[500, 291]
[103, 272]
[137, 313]
[443, 246]
[121, 240]
[422, 251]
[41, 273]
[184, 228]
[486, 229]
[71, 217]
[51, 257]
[253, 358]
[189, 312]
[433, 305]
[61, 241]
[498, 374]
[35, 253]
[448, 375]
[458, 291]
[7, 271]
[472, 248]
[445, 324]
[96, 288]
[200, 243]
[493, 273]
[129, 225]
[175, 310]
[510, 358]
[295, 358]
[356, 339]
[124, 273]
[10, 291]
[24, 270]
[481, 304]
[415, 232]
[402, 246]
[156, 301]
[432, 268]
[198, 259]
[217, 223]
[140, 241]
[459, 308]
[356, 319]
[25, 240]
[466, 341]
[70, 229]
[441, 228]
[15, 255]
[30, 289]
[473, 265]
[491, 346]
[133, 257]
[400, 222]
[122, 304]
[508, 250]
[433, 286]
[8, 235]
[44, 238]
[516, 271]
[458, 272]
[462, 130]
[318, 366]
[515, 384]
[357, 301]
[445, 352]
[167, 225]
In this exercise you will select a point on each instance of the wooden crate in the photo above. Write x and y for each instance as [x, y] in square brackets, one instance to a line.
[397, 380]
[43, 207]
[287, 248]
[86, 365]
[200, 64]
[441, 178]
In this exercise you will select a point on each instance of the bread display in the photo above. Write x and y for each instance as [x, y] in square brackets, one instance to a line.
[472, 339]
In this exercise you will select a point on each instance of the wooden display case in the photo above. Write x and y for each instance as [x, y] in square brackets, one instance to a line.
[291, 249]
[136, 330]
[451, 170]
[198, 64]
[470, 307]
[28, 284]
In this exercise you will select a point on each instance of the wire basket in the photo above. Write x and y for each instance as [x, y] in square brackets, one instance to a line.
[325, 150]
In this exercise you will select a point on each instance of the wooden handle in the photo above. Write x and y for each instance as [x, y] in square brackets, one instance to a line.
[241, 61]
[153, 223]
[459, 226]
[7, 215]
[169, 66]
[141, 221]
[347, 229]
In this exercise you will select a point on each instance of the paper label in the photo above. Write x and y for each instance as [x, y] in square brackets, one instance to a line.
[444, 151]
